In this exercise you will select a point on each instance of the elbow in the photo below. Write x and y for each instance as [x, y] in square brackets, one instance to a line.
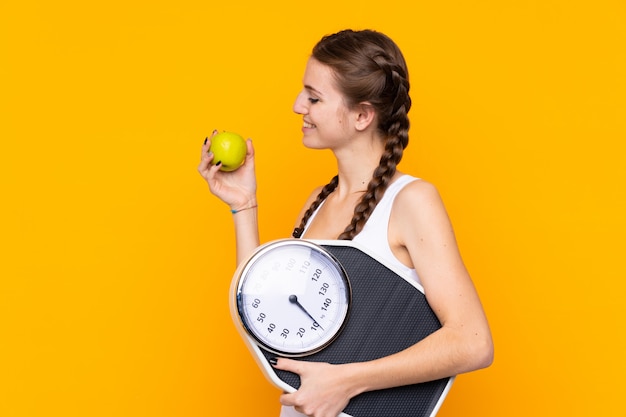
[476, 351]
[482, 352]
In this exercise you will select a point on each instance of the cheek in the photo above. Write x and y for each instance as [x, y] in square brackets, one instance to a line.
[342, 119]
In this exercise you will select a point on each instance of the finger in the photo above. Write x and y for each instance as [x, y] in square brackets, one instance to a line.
[289, 365]
[209, 170]
[288, 400]
[207, 142]
[292, 400]
[285, 399]
[205, 163]
[212, 172]
[250, 148]
[249, 153]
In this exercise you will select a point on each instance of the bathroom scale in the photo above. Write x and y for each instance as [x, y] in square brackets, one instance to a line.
[333, 301]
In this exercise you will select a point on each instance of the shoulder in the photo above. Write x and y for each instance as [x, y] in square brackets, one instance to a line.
[312, 197]
[418, 192]
[419, 208]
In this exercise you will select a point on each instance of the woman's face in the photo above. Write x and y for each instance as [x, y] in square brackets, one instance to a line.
[326, 121]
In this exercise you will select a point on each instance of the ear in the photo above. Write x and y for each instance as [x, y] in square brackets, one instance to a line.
[365, 115]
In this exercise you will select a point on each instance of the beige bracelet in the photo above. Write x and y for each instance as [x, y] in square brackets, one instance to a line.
[246, 208]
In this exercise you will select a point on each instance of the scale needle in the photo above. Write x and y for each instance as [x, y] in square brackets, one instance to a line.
[294, 300]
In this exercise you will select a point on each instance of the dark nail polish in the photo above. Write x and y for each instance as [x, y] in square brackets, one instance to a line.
[273, 361]
[218, 163]
[205, 140]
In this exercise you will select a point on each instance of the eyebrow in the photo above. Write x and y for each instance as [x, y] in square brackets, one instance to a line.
[310, 88]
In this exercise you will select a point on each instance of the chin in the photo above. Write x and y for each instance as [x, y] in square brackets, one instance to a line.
[312, 144]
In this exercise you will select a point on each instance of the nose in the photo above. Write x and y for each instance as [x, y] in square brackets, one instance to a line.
[299, 106]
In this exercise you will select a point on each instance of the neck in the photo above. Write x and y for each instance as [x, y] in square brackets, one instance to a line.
[355, 174]
[357, 161]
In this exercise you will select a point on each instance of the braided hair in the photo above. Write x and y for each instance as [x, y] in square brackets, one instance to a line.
[368, 67]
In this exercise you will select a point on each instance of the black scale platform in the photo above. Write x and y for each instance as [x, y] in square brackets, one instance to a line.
[388, 314]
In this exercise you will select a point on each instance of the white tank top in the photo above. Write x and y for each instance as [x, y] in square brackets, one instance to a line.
[375, 233]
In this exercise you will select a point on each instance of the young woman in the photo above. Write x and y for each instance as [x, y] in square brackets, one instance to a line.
[354, 101]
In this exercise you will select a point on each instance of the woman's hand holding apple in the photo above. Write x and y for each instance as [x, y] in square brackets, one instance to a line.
[236, 187]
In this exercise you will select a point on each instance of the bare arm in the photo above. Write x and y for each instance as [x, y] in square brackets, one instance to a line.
[246, 233]
[238, 190]
[464, 342]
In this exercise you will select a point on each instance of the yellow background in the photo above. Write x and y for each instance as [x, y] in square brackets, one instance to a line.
[116, 261]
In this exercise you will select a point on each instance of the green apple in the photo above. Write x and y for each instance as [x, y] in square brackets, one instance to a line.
[230, 149]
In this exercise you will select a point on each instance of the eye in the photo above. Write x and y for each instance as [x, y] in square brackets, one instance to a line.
[313, 100]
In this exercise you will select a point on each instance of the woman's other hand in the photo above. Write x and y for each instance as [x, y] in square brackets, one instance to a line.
[325, 389]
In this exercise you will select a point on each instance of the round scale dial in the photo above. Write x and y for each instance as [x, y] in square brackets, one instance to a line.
[293, 297]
